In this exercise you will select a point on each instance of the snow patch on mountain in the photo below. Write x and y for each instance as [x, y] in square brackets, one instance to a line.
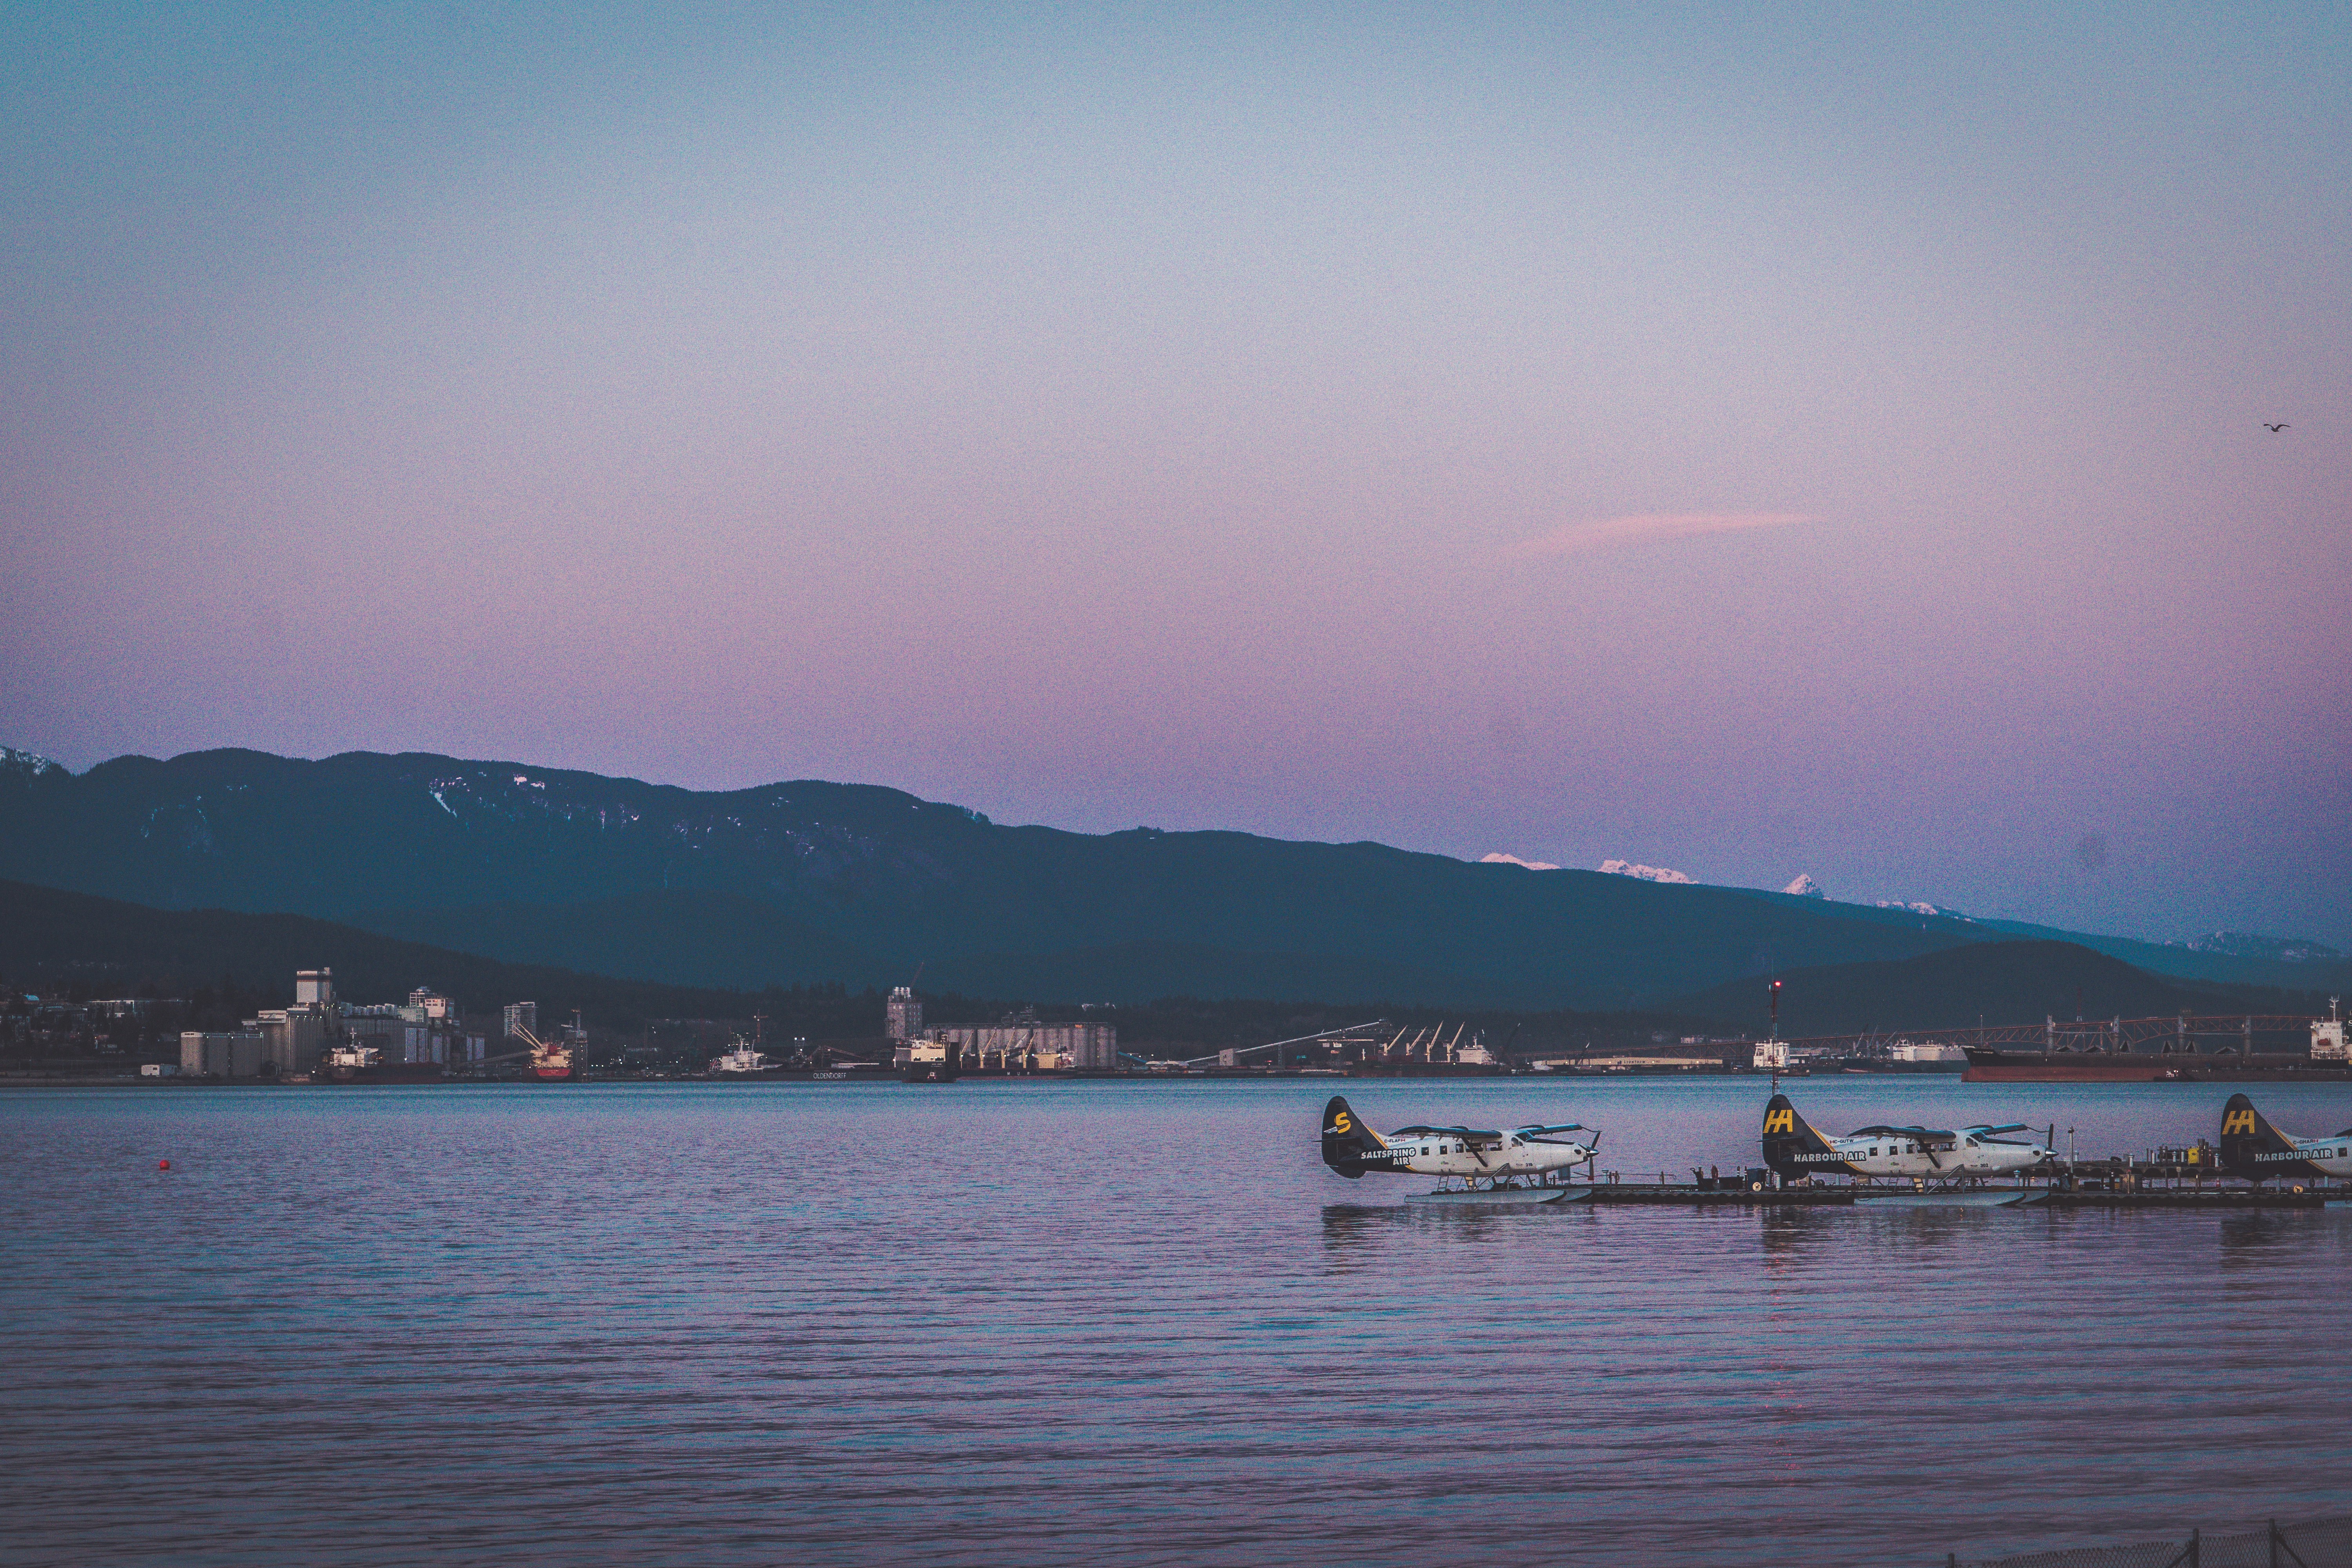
[1804, 887]
[1917, 907]
[25, 766]
[2249, 945]
[1646, 873]
[1500, 859]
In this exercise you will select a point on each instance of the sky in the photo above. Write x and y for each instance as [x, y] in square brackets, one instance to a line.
[1750, 441]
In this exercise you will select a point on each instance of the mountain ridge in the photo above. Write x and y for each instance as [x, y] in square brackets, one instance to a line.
[51, 938]
[810, 880]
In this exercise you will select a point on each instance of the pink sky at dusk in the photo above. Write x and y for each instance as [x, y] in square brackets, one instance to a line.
[1752, 443]
[1649, 527]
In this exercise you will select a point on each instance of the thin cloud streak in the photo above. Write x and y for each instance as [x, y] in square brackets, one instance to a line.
[1649, 527]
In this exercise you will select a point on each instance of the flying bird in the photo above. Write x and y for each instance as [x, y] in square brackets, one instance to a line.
[2274, 429]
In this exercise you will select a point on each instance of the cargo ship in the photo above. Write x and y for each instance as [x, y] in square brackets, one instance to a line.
[551, 1059]
[932, 1061]
[1987, 1065]
[365, 1064]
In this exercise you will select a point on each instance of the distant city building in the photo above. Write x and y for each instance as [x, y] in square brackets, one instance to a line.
[426, 1004]
[123, 1006]
[902, 1015]
[314, 988]
[523, 1017]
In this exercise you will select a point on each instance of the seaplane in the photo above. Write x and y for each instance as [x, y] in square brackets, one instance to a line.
[2251, 1147]
[1922, 1155]
[1514, 1164]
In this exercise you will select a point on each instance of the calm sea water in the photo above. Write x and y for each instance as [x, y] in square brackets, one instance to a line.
[1111, 1324]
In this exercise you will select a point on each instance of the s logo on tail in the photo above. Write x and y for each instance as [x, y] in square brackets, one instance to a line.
[1348, 1143]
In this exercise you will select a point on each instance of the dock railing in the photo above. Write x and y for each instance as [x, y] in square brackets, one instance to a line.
[2307, 1543]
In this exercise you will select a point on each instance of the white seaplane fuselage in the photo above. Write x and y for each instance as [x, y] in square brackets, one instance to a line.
[1510, 1154]
[1471, 1153]
[2328, 1157]
[1903, 1153]
[1796, 1150]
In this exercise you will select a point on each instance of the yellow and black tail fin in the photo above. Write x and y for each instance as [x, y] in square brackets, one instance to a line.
[1792, 1147]
[1345, 1139]
[2251, 1147]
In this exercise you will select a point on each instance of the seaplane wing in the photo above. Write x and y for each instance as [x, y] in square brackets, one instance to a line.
[1996, 1131]
[1945, 1133]
[1536, 1132]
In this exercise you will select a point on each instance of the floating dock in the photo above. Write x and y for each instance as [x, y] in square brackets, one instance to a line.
[1686, 1196]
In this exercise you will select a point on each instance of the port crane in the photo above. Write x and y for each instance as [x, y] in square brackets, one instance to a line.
[1231, 1056]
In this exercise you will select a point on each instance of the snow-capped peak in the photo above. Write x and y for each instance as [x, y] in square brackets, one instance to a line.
[1917, 907]
[1646, 873]
[1804, 887]
[27, 764]
[1515, 860]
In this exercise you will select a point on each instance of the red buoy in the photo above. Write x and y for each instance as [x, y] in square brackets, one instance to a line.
[162, 1165]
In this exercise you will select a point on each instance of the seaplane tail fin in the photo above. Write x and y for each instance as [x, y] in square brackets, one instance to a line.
[1788, 1135]
[2251, 1147]
[1346, 1138]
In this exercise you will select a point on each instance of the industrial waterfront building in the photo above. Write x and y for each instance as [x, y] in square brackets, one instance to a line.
[221, 1055]
[282, 1042]
[1037, 1047]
